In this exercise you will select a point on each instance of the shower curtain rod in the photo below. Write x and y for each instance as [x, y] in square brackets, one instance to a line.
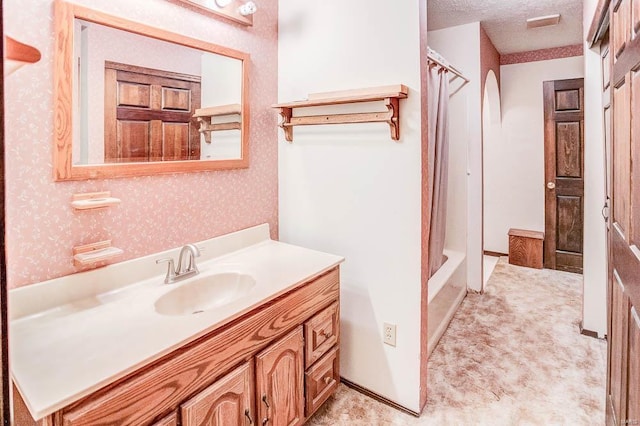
[432, 58]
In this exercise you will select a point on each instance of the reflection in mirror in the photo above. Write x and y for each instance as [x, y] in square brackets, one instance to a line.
[134, 100]
[141, 99]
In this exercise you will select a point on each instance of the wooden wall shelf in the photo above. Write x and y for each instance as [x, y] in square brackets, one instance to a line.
[205, 118]
[18, 51]
[389, 94]
[18, 54]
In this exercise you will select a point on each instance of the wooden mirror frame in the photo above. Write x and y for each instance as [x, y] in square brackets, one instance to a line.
[63, 167]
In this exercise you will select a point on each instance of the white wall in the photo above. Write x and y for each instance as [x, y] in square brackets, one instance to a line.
[350, 189]
[594, 312]
[514, 164]
[460, 45]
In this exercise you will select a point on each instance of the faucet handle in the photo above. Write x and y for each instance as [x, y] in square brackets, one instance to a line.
[171, 271]
[165, 259]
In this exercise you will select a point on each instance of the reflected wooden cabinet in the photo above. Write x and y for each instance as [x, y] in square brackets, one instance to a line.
[229, 401]
[148, 114]
[280, 381]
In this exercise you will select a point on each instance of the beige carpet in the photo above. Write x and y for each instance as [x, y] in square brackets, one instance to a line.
[513, 356]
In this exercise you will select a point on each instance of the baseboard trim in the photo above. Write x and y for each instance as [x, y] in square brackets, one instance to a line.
[494, 253]
[377, 397]
[588, 333]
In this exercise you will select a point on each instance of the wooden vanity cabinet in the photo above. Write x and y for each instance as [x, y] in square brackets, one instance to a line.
[285, 350]
[280, 381]
[170, 420]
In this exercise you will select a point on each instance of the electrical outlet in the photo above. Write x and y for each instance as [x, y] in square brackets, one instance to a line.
[389, 334]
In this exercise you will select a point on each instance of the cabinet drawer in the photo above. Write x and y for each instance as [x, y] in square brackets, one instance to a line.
[321, 380]
[321, 333]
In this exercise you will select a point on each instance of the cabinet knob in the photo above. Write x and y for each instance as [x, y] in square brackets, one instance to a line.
[324, 334]
[551, 185]
[264, 399]
[327, 379]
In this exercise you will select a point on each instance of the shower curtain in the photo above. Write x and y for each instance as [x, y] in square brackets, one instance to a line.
[438, 163]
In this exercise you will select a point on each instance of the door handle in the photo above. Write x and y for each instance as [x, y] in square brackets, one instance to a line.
[605, 208]
[551, 185]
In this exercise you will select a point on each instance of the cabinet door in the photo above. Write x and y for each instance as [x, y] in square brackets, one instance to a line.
[170, 420]
[279, 382]
[633, 410]
[229, 401]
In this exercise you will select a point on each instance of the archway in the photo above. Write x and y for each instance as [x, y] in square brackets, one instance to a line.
[491, 141]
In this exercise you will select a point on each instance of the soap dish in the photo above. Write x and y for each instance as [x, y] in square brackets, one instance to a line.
[90, 254]
[93, 200]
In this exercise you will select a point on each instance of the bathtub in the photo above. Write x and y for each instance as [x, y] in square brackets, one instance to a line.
[446, 290]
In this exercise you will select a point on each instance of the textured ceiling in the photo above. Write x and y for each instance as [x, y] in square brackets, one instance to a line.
[505, 21]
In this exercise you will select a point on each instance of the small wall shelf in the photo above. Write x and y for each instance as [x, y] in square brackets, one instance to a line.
[389, 94]
[18, 54]
[205, 118]
[91, 254]
[93, 200]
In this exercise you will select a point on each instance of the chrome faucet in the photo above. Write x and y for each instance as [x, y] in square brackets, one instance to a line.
[186, 268]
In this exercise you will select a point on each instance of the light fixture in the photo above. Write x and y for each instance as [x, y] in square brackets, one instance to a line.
[223, 3]
[543, 21]
[249, 8]
[18, 54]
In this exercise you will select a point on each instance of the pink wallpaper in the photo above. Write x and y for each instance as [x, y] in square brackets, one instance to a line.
[489, 59]
[157, 212]
[542, 55]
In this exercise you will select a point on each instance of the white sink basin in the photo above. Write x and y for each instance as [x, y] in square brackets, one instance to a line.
[204, 293]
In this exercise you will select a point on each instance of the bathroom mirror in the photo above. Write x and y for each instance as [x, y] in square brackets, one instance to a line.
[135, 100]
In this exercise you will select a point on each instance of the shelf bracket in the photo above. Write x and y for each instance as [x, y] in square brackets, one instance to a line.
[285, 124]
[393, 106]
[207, 127]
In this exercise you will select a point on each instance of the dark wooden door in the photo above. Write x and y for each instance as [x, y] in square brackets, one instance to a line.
[623, 384]
[149, 115]
[279, 382]
[564, 174]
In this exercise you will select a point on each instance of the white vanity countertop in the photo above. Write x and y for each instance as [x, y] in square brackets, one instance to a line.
[75, 343]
